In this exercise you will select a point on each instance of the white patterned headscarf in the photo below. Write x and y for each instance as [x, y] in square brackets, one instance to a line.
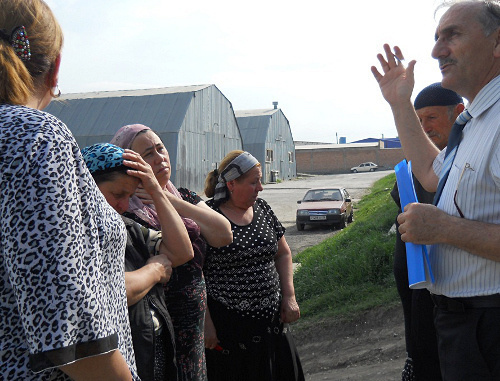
[236, 168]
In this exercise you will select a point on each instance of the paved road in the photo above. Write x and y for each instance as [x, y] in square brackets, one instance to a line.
[283, 200]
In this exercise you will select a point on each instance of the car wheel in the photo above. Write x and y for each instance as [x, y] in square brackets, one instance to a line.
[300, 227]
[371, 169]
[343, 223]
[355, 170]
[349, 220]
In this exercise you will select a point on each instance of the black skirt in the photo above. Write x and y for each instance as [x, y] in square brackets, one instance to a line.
[251, 349]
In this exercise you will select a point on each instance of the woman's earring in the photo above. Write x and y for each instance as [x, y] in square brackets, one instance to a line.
[58, 92]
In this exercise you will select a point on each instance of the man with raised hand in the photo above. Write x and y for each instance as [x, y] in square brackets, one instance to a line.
[463, 228]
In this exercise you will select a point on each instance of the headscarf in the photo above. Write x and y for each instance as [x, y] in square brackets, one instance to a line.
[124, 138]
[239, 166]
[102, 158]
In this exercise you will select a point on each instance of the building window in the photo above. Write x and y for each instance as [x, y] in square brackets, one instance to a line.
[290, 157]
[269, 155]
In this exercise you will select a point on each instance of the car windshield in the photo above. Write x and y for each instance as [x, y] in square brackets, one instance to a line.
[323, 195]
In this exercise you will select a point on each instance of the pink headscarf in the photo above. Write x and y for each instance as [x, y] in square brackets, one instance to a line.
[124, 138]
[126, 135]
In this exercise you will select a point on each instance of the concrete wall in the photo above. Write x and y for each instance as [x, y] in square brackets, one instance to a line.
[341, 160]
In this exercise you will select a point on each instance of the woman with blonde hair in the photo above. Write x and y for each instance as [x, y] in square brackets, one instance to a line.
[250, 293]
[63, 308]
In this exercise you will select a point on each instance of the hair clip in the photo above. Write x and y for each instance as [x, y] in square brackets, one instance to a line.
[20, 43]
[18, 39]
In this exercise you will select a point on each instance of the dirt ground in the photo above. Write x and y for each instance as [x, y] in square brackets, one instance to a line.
[369, 347]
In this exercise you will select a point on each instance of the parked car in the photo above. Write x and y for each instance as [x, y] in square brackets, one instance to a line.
[324, 206]
[365, 167]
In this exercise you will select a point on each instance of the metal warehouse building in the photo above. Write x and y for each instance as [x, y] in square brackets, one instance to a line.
[196, 123]
[267, 135]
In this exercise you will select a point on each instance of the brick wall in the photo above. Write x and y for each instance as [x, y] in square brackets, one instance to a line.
[341, 160]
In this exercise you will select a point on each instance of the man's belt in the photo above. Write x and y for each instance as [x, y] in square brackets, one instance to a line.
[462, 304]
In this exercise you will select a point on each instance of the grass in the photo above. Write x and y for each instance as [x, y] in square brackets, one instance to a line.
[351, 271]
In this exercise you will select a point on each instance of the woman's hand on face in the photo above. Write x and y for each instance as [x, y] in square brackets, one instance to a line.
[141, 170]
[290, 310]
[144, 196]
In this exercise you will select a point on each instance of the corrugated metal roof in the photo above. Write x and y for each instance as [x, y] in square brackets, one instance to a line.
[268, 130]
[196, 123]
[92, 116]
[253, 129]
[260, 112]
[134, 93]
[255, 124]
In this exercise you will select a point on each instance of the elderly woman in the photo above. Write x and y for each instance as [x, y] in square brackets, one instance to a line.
[117, 173]
[249, 282]
[63, 308]
[185, 293]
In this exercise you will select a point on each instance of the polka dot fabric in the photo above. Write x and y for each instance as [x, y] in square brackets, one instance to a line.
[242, 276]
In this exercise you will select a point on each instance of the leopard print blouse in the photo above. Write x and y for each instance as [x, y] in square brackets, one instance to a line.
[62, 289]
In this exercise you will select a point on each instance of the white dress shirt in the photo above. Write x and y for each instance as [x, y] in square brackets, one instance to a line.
[475, 176]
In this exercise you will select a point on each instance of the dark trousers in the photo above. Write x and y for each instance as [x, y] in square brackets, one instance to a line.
[469, 343]
[418, 310]
[252, 350]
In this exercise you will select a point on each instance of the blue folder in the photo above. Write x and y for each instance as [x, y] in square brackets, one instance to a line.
[417, 259]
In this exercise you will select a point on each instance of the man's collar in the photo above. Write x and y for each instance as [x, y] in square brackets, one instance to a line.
[486, 97]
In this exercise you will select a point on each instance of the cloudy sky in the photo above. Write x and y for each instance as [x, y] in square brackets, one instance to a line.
[313, 57]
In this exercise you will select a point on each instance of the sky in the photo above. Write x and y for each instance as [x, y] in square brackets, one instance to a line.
[312, 57]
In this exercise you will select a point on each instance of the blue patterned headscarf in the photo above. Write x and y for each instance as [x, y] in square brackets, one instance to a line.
[103, 157]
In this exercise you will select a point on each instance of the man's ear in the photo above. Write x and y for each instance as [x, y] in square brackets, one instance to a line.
[496, 50]
[459, 108]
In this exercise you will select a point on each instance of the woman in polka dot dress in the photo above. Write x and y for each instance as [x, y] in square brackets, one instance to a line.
[251, 297]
